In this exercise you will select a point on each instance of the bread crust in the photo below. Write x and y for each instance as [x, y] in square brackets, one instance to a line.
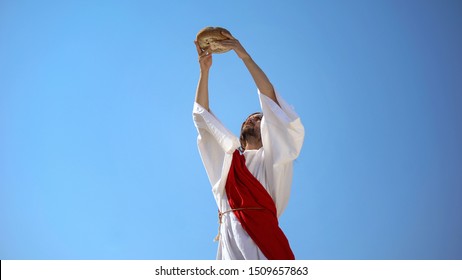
[207, 37]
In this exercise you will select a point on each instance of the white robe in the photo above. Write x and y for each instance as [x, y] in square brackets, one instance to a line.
[282, 136]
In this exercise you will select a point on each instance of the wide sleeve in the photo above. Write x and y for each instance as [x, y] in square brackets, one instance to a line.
[214, 141]
[281, 129]
[282, 135]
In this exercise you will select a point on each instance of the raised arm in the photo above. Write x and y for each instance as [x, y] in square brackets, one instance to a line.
[261, 80]
[202, 91]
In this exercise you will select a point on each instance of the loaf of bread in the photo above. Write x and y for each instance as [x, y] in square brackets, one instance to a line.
[208, 36]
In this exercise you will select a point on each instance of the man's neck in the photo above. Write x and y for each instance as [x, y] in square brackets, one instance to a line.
[253, 146]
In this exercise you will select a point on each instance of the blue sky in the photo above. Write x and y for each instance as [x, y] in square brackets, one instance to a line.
[98, 156]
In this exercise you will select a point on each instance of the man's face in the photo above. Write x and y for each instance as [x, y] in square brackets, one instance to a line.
[253, 120]
[251, 126]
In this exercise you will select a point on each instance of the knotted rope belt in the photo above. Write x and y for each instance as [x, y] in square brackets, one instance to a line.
[220, 215]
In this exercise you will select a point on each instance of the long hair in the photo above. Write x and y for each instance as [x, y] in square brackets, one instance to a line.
[243, 136]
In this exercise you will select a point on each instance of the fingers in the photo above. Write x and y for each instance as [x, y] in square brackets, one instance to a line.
[228, 35]
[230, 43]
[204, 54]
[201, 52]
[205, 57]
[235, 45]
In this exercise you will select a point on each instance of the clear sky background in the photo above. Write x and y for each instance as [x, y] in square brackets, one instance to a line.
[98, 156]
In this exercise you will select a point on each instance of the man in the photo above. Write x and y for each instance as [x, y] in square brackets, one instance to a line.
[250, 176]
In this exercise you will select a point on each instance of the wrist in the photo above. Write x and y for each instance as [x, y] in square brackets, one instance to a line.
[243, 54]
[204, 72]
[245, 57]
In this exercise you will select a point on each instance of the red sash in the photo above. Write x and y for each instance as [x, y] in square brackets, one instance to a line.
[260, 220]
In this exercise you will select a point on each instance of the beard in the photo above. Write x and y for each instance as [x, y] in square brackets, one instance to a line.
[251, 133]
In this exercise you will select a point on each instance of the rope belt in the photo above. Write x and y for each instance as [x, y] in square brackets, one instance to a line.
[220, 215]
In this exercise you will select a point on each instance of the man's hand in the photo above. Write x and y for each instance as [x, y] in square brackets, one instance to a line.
[205, 58]
[234, 44]
[202, 91]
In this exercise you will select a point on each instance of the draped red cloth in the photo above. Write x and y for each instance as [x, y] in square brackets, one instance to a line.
[259, 220]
